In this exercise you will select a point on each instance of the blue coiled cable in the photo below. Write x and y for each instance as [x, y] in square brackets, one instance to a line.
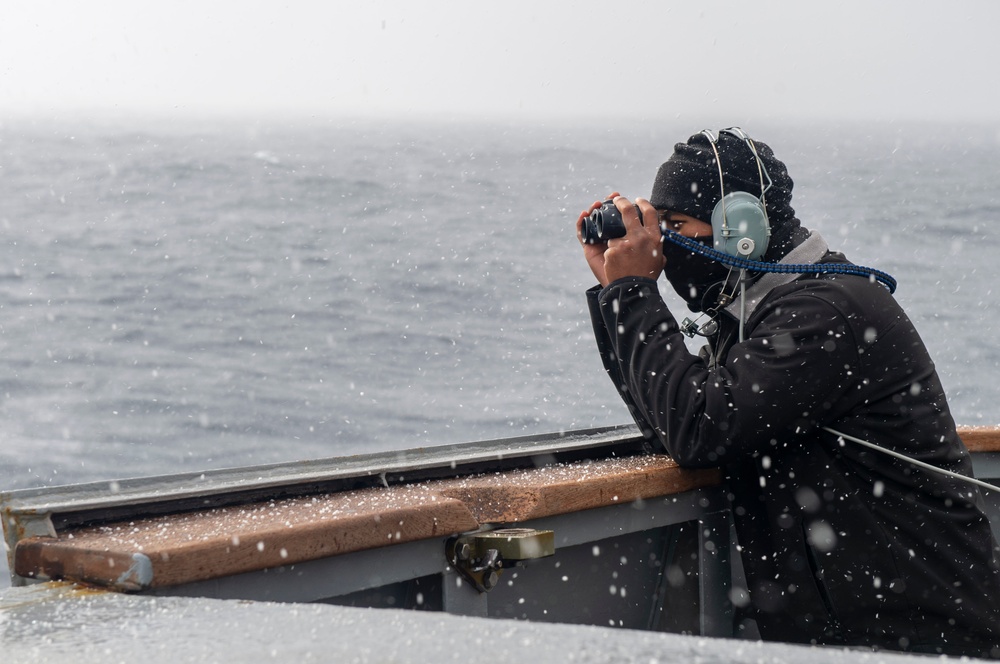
[759, 266]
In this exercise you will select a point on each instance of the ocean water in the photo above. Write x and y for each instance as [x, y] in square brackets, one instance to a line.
[204, 296]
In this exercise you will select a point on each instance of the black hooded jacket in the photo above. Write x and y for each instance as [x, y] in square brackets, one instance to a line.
[840, 544]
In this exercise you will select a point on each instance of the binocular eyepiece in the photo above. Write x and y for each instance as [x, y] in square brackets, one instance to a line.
[605, 223]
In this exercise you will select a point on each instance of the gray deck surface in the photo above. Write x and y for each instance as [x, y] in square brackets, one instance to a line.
[55, 623]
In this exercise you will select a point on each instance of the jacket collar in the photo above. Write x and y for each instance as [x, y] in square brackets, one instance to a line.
[809, 252]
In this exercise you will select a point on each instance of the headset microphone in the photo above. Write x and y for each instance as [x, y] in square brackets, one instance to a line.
[710, 327]
[691, 328]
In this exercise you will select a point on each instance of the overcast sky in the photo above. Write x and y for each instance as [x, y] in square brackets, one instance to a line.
[895, 60]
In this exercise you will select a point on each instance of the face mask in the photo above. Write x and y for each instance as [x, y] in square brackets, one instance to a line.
[692, 276]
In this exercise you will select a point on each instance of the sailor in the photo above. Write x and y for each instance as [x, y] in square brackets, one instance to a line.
[840, 543]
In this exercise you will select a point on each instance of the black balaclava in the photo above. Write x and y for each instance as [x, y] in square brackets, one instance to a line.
[688, 182]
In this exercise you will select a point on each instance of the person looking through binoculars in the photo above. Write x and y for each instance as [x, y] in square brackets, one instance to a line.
[806, 355]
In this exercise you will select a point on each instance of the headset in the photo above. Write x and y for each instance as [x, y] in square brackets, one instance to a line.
[741, 233]
[741, 230]
[740, 226]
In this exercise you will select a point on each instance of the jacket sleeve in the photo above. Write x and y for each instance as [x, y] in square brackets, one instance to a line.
[798, 360]
[609, 358]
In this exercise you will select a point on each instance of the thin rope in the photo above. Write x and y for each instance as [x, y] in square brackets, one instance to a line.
[785, 268]
[915, 462]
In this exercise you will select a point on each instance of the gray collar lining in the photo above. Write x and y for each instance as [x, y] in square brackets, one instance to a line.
[808, 253]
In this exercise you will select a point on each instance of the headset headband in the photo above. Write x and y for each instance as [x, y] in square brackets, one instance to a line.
[761, 169]
[740, 225]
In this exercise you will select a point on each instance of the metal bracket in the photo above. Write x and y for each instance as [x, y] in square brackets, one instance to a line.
[481, 557]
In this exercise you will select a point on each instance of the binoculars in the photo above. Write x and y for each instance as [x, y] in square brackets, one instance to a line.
[605, 223]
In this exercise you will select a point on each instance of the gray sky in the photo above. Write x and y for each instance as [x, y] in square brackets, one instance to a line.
[895, 60]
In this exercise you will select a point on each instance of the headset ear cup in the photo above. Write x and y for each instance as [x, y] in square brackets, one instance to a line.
[740, 227]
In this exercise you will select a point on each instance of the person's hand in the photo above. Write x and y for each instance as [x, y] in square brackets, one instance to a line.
[640, 252]
[594, 253]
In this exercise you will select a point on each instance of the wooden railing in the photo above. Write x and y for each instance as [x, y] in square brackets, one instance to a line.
[195, 545]
[981, 439]
[177, 549]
